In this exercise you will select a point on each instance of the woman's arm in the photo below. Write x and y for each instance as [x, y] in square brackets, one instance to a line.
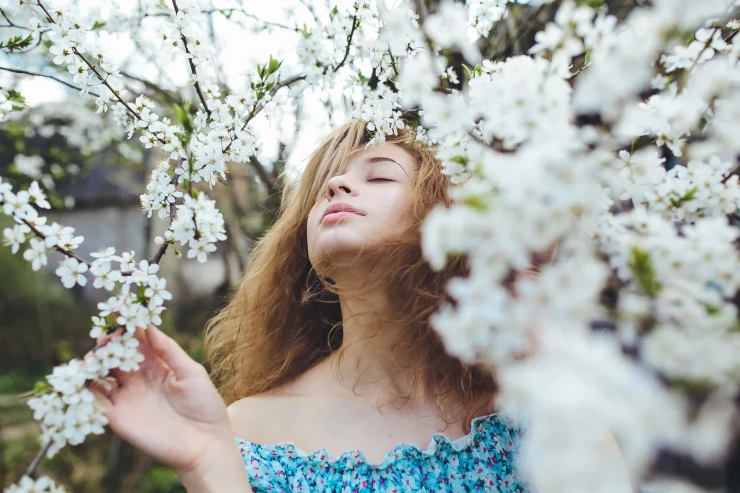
[222, 471]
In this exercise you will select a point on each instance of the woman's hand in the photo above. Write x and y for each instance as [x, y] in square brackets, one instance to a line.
[169, 408]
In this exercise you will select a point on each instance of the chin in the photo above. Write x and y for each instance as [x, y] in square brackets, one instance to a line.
[338, 249]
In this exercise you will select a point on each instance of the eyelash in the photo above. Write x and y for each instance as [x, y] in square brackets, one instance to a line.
[380, 179]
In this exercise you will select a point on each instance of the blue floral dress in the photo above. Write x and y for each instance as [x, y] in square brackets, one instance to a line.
[482, 461]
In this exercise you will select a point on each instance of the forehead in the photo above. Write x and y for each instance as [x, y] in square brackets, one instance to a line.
[391, 151]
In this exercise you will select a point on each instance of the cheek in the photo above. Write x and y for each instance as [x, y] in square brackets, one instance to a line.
[399, 210]
[311, 226]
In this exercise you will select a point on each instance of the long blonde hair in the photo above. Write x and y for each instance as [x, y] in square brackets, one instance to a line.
[283, 318]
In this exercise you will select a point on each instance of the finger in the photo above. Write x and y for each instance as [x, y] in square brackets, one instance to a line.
[102, 398]
[108, 336]
[170, 352]
[101, 348]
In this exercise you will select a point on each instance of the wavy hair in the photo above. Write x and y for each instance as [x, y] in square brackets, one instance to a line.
[283, 318]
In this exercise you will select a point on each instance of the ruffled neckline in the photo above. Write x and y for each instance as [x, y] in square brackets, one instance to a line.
[355, 457]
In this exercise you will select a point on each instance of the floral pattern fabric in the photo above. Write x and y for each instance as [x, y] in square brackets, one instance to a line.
[482, 461]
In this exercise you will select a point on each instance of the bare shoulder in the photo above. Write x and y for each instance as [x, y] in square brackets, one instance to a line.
[255, 418]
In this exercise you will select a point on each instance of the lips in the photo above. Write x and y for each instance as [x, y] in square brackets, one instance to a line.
[340, 209]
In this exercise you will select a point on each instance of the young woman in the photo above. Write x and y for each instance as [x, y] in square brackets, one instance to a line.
[333, 376]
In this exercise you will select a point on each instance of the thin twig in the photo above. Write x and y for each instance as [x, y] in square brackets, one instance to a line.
[265, 176]
[233, 9]
[253, 17]
[192, 67]
[154, 87]
[311, 9]
[12, 24]
[731, 174]
[160, 253]
[37, 460]
[61, 81]
[349, 39]
[258, 107]
[687, 72]
[41, 235]
[103, 80]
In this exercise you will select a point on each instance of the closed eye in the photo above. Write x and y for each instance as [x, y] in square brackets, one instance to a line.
[380, 179]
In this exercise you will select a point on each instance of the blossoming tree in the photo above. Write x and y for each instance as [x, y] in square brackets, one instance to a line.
[605, 137]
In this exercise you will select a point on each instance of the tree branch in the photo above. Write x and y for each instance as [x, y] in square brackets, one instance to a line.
[37, 460]
[61, 81]
[100, 78]
[192, 67]
[267, 178]
[231, 9]
[11, 23]
[41, 235]
[349, 38]
[258, 107]
[154, 87]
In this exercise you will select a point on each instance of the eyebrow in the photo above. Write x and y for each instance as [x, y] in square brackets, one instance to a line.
[378, 159]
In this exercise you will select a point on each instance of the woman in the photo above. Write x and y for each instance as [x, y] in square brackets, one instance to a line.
[334, 378]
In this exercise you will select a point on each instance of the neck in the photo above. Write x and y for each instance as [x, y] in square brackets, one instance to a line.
[367, 362]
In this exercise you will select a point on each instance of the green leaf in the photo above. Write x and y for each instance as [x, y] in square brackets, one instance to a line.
[712, 309]
[641, 265]
[688, 196]
[468, 71]
[471, 72]
[183, 116]
[14, 95]
[16, 43]
[273, 66]
[478, 202]
[40, 386]
[98, 25]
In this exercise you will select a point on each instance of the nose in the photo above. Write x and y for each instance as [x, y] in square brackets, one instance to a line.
[338, 185]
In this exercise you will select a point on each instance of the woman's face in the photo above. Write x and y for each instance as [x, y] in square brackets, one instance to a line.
[363, 206]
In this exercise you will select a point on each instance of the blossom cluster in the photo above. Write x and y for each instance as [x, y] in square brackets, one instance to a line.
[27, 485]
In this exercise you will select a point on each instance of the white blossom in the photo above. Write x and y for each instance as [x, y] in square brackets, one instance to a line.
[14, 237]
[72, 272]
[104, 276]
[41, 485]
[36, 254]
